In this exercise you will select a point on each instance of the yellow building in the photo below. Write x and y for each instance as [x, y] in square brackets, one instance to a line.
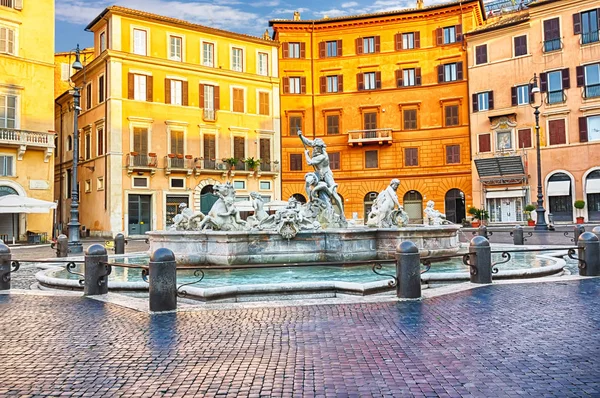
[63, 71]
[168, 109]
[388, 94]
[26, 109]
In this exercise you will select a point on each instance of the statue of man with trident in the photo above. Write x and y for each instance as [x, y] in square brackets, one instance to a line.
[320, 161]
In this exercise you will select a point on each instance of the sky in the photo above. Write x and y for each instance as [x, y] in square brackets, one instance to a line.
[242, 16]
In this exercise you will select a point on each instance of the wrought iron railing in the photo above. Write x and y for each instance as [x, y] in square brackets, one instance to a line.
[209, 114]
[556, 97]
[7, 3]
[591, 91]
[552, 45]
[29, 138]
[178, 162]
[142, 160]
[269, 167]
[589, 37]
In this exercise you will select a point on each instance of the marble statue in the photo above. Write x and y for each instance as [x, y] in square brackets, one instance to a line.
[223, 216]
[290, 220]
[433, 216]
[186, 220]
[259, 212]
[386, 210]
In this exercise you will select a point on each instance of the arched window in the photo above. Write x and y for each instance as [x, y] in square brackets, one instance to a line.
[299, 197]
[560, 197]
[592, 191]
[368, 203]
[69, 143]
[413, 205]
[455, 205]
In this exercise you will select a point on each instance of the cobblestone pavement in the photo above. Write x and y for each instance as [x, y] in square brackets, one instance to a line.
[538, 339]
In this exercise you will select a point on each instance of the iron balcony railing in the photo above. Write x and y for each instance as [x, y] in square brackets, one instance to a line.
[591, 91]
[142, 160]
[552, 45]
[209, 114]
[589, 37]
[269, 167]
[372, 135]
[179, 162]
[208, 164]
[556, 97]
[6, 3]
[28, 138]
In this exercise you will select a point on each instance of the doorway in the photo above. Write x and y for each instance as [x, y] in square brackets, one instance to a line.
[413, 205]
[140, 214]
[207, 199]
[172, 207]
[455, 206]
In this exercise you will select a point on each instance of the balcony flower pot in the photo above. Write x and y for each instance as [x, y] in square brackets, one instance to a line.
[171, 155]
[179, 156]
[188, 156]
[475, 223]
[134, 153]
[252, 163]
[580, 220]
[528, 210]
[152, 154]
[231, 162]
[531, 222]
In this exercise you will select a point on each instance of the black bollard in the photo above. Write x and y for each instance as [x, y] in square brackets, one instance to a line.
[408, 271]
[577, 230]
[120, 244]
[5, 267]
[481, 260]
[163, 281]
[589, 251]
[62, 246]
[517, 235]
[96, 274]
[596, 231]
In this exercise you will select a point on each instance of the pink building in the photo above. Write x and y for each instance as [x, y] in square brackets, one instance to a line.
[557, 41]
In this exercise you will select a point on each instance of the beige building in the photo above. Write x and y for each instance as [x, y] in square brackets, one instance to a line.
[26, 107]
[558, 42]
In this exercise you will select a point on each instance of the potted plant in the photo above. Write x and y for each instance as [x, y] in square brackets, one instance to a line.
[152, 154]
[579, 205]
[252, 163]
[473, 211]
[171, 155]
[133, 153]
[180, 156]
[528, 210]
[231, 162]
[188, 156]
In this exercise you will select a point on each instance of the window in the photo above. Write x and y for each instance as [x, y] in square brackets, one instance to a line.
[368, 45]
[332, 48]
[65, 71]
[263, 64]
[588, 77]
[333, 124]
[69, 143]
[264, 154]
[208, 54]
[371, 159]
[69, 185]
[408, 77]
[586, 24]
[451, 34]
[552, 35]
[294, 50]
[295, 162]
[176, 92]
[101, 89]
[16, 4]
[8, 111]
[238, 99]
[88, 97]
[140, 140]
[334, 160]
[295, 85]
[410, 119]
[140, 182]
[411, 156]
[408, 41]
[589, 128]
[520, 45]
[520, 95]
[553, 83]
[332, 84]
[7, 40]
[484, 142]
[100, 141]
[176, 142]
[237, 59]
[453, 154]
[263, 103]
[295, 124]
[88, 186]
[264, 185]
[369, 81]
[524, 137]
[481, 54]
[175, 48]
[239, 149]
[449, 72]
[139, 41]
[6, 166]
[209, 100]
[503, 140]
[209, 149]
[177, 183]
[88, 146]
[451, 115]
[483, 101]
[139, 87]
[100, 183]
[102, 41]
[370, 120]
[557, 132]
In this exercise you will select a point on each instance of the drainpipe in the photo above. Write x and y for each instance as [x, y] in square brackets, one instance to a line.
[60, 167]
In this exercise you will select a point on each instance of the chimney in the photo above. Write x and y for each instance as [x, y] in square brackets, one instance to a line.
[419, 4]
[296, 16]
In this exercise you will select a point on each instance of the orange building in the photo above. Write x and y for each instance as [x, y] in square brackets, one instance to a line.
[388, 94]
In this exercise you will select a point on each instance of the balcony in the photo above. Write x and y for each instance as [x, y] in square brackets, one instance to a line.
[209, 166]
[366, 137]
[23, 139]
[179, 164]
[556, 97]
[552, 45]
[268, 168]
[141, 162]
[589, 37]
[209, 115]
[591, 91]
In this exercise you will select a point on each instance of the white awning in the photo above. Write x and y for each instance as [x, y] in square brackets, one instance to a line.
[513, 193]
[592, 186]
[559, 188]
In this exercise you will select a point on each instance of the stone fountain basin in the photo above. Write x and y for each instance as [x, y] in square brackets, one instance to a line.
[336, 245]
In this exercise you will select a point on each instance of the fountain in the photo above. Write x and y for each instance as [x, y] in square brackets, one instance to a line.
[309, 232]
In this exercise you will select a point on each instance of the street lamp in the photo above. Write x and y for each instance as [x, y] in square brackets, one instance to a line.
[75, 245]
[540, 221]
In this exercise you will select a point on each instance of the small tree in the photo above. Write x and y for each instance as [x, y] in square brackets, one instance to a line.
[529, 209]
[579, 204]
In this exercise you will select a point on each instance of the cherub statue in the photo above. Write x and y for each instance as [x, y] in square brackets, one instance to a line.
[433, 216]
[382, 214]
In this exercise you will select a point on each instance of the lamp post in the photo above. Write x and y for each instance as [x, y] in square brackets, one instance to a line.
[75, 245]
[540, 221]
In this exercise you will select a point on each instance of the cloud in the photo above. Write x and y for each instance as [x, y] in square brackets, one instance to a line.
[218, 14]
[349, 4]
[272, 3]
[331, 13]
[289, 11]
